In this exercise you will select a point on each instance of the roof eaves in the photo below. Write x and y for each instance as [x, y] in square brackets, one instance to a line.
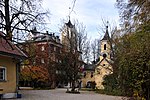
[12, 55]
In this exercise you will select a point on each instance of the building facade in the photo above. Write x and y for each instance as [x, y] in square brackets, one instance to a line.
[104, 66]
[88, 76]
[45, 50]
[10, 59]
[72, 55]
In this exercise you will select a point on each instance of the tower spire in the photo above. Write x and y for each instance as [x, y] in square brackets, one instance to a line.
[107, 27]
[69, 17]
[69, 24]
[106, 36]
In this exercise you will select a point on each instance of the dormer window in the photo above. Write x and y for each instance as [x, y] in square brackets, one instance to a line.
[104, 46]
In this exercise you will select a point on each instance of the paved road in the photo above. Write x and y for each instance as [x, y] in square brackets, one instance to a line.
[59, 94]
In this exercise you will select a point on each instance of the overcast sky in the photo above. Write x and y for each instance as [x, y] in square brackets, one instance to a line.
[88, 12]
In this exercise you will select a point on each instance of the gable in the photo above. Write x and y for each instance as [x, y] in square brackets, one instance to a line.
[104, 63]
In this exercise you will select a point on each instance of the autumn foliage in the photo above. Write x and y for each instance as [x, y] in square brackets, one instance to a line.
[34, 74]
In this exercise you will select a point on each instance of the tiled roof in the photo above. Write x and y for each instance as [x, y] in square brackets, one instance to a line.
[44, 37]
[90, 67]
[7, 48]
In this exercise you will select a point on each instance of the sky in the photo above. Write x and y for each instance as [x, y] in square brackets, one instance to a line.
[88, 12]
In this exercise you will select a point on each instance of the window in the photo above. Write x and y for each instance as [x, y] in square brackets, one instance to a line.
[42, 48]
[42, 61]
[2, 73]
[104, 55]
[84, 74]
[98, 72]
[104, 46]
[34, 62]
[60, 61]
[91, 74]
[54, 49]
[56, 71]
[56, 60]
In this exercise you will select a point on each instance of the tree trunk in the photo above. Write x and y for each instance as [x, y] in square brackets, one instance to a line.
[73, 85]
[7, 19]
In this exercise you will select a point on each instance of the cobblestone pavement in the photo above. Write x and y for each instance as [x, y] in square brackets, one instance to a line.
[59, 94]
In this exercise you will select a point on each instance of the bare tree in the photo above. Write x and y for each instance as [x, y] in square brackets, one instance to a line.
[93, 49]
[98, 49]
[20, 16]
[87, 55]
[82, 38]
[73, 40]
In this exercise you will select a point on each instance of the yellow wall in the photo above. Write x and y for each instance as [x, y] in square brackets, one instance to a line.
[100, 72]
[107, 51]
[9, 86]
[104, 68]
[87, 78]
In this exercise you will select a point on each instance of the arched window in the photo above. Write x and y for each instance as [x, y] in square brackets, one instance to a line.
[104, 46]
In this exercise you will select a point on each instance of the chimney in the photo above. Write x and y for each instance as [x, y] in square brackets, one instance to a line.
[53, 34]
[57, 39]
[46, 32]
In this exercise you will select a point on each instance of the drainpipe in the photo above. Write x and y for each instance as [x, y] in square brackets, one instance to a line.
[17, 76]
[18, 65]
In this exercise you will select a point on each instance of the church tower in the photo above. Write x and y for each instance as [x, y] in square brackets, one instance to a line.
[105, 52]
[103, 67]
[68, 35]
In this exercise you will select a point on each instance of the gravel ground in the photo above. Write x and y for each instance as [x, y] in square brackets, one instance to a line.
[59, 94]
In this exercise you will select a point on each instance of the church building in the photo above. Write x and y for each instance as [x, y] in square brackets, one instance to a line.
[104, 66]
